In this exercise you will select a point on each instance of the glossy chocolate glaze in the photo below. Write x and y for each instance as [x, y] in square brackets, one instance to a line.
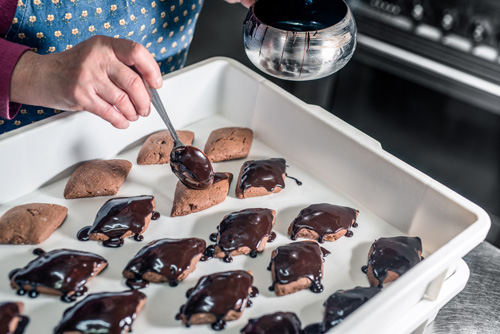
[342, 303]
[297, 260]
[245, 228]
[64, 270]
[279, 322]
[166, 257]
[324, 219]
[192, 167]
[263, 173]
[106, 312]
[397, 254]
[218, 294]
[9, 311]
[118, 216]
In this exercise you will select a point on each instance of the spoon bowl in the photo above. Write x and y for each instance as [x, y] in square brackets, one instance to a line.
[191, 166]
[299, 39]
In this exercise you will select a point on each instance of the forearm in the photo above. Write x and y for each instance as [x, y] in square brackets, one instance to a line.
[9, 57]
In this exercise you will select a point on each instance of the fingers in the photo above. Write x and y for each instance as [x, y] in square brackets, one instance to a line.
[130, 83]
[107, 112]
[134, 54]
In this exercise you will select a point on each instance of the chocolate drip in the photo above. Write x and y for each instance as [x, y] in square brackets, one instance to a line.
[119, 216]
[342, 303]
[192, 167]
[397, 254]
[218, 294]
[64, 270]
[166, 257]
[155, 216]
[324, 219]
[296, 260]
[299, 183]
[8, 312]
[279, 322]
[106, 312]
[263, 173]
[245, 228]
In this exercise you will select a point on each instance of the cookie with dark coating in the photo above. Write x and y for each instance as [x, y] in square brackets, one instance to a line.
[389, 258]
[278, 322]
[228, 144]
[157, 147]
[323, 222]
[261, 177]
[164, 261]
[218, 298]
[297, 266]
[61, 272]
[120, 218]
[31, 224]
[187, 201]
[104, 312]
[97, 178]
[243, 232]
[11, 319]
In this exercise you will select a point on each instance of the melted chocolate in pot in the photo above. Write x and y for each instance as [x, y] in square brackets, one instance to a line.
[118, 216]
[218, 294]
[397, 254]
[245, 228]
[192, 167]
[279, 322]
[106, 312]
[9, 311]
[166, 257]
[324, 219]
[64, 270]
[263, 173]
[297, 260]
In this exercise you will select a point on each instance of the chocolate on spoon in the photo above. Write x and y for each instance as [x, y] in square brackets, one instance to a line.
[191, 166]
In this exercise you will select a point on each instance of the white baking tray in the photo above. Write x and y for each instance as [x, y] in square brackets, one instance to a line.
[336, 163]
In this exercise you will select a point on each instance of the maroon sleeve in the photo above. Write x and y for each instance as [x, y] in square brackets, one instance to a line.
[11, 52]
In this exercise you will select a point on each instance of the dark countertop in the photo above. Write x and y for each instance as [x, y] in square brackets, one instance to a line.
[477, 308]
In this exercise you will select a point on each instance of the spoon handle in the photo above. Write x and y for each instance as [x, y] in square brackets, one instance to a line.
[156, 101]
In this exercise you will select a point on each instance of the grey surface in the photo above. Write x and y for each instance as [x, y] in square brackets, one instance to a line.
[477, 308]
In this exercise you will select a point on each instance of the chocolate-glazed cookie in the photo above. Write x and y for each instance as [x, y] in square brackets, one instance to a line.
[339, 305]
[243, 232]
[61, 272]
[261, 177]
[11, 320]
[389, 258]
[297, 266]
[120, 218]
[164, 260]
[105, 312]
[218, 298]
[323, 222]
[279, 322]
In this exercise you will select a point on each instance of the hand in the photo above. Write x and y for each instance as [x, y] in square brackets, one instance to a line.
[95, 75]
[246, 3]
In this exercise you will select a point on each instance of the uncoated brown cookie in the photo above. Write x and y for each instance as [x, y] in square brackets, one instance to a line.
[156, 149]
[31, 224]
[228, 144]
[97, 178]
[188, 201]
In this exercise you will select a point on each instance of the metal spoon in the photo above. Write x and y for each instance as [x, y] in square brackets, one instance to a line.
[191, 166]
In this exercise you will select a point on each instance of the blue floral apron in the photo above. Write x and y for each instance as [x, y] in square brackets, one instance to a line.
[164, 27]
